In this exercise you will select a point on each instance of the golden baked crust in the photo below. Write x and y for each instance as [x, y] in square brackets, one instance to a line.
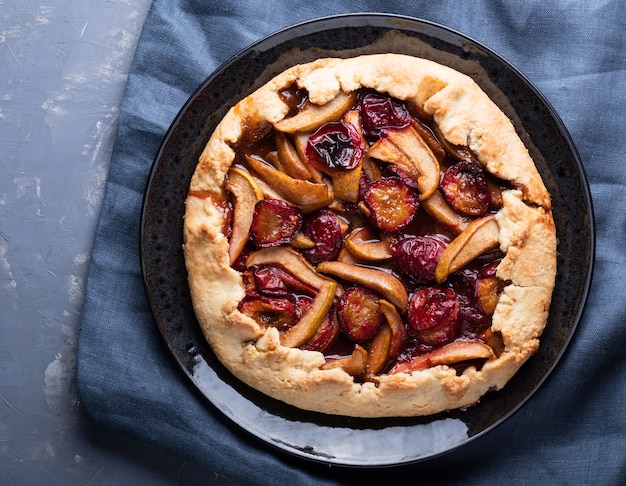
[527, 237]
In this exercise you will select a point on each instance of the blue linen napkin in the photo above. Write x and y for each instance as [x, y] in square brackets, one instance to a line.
[572, 431]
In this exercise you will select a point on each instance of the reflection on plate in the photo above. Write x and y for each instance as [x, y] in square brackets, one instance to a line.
[339, 440]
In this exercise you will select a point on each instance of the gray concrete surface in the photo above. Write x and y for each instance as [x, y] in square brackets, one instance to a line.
[63, 69]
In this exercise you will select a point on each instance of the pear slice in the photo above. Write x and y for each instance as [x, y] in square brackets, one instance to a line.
[457, 151]
[302, 242]
[273, 159]
[378, 351]
[388, 342]
[300, 141]
[407, 150]
[438, 208]
[418, 152]
[246, 193]
[270, 193]
[370, 168]
[346, 183]
[299, 192]
[293, 262]
[494, 340]
[430, 139]
[386, 151]
[305, 328]
[290, 160]
[360, 244]
[353, 117]
[456, 352]
[312, 116]
[346, 257]
[481, 235]
[354, 365]
[378, 280]
[398, 331]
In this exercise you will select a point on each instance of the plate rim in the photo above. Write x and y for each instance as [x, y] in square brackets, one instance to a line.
[274, 39]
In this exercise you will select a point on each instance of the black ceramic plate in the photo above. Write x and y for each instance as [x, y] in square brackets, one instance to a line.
[338, 440]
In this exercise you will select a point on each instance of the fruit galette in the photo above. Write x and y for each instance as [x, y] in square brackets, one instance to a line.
[369, 237]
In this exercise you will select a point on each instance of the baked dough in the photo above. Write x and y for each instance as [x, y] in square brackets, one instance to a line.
[466, 117]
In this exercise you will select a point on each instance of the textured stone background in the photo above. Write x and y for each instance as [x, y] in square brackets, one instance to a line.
[63, 68]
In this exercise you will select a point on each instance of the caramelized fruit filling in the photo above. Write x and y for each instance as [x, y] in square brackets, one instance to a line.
[369, 237]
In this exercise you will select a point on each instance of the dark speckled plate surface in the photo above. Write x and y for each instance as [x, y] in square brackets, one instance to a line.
[337, 440]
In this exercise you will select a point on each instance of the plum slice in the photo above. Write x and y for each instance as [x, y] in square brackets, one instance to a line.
[465, 187]
[269, 311]
[268, 281]
[335, 146]
[417, 256]
[474, 319]
[433, 315]
[380, 112]
[390, 204]
[324, 229]
[359, 312]
[442, 334]
[346, 182]
[274, 223]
